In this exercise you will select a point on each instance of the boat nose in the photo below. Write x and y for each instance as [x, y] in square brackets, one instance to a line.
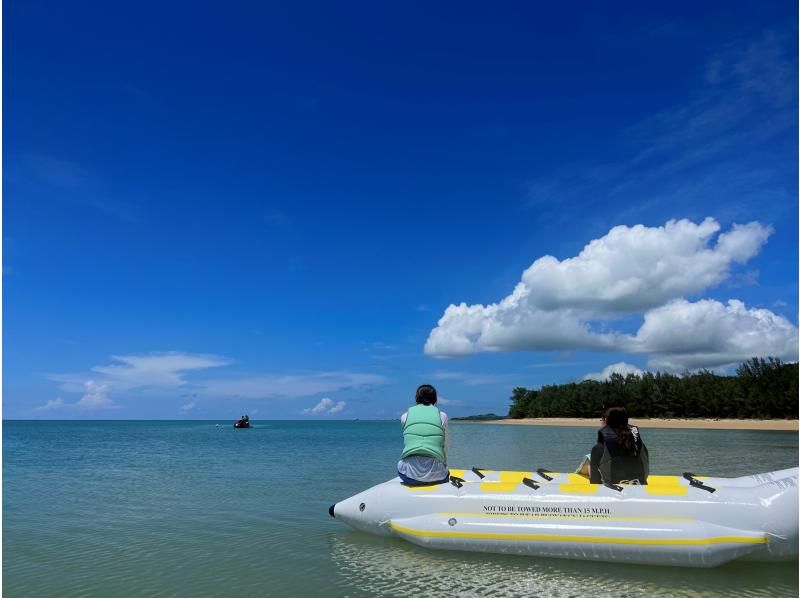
[330, 510]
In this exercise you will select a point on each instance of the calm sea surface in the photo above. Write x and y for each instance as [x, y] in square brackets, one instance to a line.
[179, 508]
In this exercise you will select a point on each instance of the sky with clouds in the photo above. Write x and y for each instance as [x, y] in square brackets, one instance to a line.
[298, 211]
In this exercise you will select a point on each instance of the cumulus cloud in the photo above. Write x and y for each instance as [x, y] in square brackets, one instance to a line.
[52, 404]
[187, 407]
[639, 267]
[573, 303]
[511, 325]
[620, 367]
[326, 406]
[95, 398]
[707, 333]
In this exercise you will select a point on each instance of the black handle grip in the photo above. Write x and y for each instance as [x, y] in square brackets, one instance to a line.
[530, 483]
[477, 472]
[456, 481]
[695, 483]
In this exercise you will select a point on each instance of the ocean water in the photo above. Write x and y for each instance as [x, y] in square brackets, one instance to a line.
[189, 508]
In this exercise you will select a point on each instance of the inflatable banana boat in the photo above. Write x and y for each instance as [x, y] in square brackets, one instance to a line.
[687, 520]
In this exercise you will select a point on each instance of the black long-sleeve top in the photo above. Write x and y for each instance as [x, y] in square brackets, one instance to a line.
[594, 463]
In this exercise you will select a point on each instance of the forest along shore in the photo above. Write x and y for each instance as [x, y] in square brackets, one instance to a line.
[704, 424]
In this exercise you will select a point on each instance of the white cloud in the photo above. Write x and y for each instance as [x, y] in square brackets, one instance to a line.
[441, 400]
[684, 335]
[326, 406]
[52, 404]
[139, 371]
[573, 303]
[129, 373]
[511, 325]
[690, 153]
[288, 386]
[156, 369]
[95, 398]
[164, 371]
[187, 407]
[620, 367]
[639, 267]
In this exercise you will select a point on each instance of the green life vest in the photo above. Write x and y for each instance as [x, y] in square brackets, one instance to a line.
[423, 433]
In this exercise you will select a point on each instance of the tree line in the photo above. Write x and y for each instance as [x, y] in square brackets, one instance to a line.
[761, 389]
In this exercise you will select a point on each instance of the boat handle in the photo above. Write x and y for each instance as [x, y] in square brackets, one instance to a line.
[543, 473]
[456, 481]
[530, 483]
[695, 483]
[613, 487]
[477, 472]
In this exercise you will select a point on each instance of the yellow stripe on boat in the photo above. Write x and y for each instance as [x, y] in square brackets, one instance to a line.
[576, 478]
[663, 480]
[514, 476]
[584, 539]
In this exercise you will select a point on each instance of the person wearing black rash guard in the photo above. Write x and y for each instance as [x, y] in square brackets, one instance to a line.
[619, 455]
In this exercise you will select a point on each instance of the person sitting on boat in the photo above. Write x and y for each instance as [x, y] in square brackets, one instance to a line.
[620, 455]
[425, 441]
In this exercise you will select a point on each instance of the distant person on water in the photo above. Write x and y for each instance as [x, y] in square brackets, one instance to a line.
[619, 455]
[425, 441]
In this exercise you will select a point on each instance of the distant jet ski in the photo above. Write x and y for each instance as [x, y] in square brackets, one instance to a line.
[242, 423]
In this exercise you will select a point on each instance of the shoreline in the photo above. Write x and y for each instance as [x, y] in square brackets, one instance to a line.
[790, 425]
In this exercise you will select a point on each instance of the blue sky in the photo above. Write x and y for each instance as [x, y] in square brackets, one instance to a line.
[280, 208]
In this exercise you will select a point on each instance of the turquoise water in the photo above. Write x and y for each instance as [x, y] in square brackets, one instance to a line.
[179, 508]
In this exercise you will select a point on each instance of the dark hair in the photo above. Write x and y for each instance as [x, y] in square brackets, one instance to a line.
[617, 419]
[426, 394]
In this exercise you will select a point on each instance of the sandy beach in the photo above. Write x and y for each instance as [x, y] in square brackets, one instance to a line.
[707, 424]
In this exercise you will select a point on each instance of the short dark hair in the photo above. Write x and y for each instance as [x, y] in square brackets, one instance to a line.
[426, 394]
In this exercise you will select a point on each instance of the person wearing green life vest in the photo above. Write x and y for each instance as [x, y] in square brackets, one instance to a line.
[425, 442]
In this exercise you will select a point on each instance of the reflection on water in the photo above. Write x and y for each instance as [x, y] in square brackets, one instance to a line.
[367, 565]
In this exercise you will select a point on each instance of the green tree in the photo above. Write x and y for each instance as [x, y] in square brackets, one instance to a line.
[762, 388]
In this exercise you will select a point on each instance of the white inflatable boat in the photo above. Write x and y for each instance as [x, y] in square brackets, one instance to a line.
[673, 520]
